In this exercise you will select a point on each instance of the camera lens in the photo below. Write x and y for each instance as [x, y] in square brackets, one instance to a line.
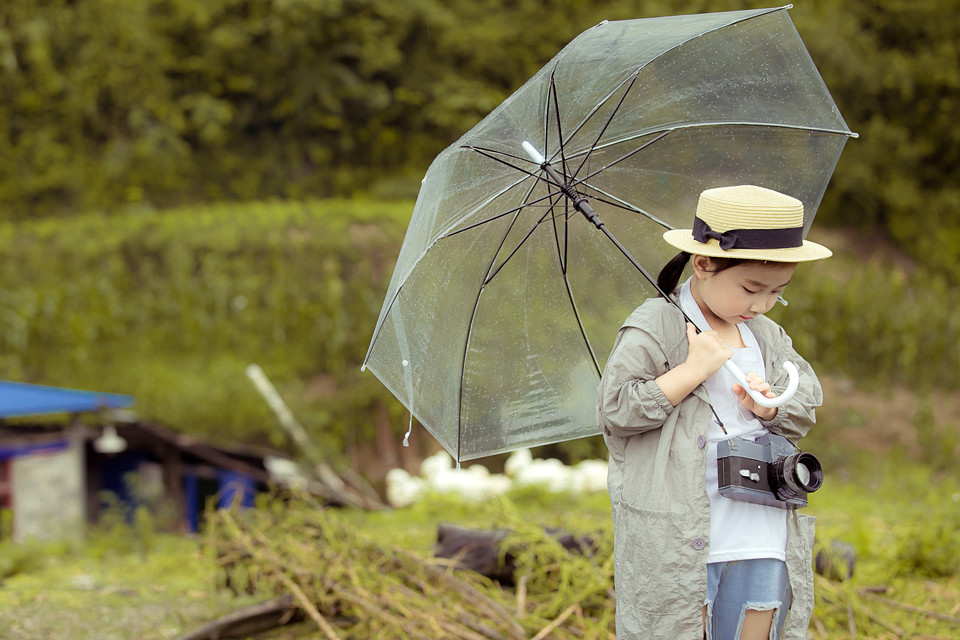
[795, 475]
[807, 472]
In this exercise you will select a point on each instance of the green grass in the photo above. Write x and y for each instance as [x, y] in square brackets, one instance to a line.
[903, 524]
[104, 589]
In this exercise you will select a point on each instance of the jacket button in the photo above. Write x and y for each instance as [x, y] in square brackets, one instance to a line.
[701, 442]
[699, 544]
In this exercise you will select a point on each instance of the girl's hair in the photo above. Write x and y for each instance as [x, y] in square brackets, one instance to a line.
[669, 276]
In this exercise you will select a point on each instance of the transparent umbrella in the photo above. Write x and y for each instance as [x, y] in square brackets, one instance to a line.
[506, 296]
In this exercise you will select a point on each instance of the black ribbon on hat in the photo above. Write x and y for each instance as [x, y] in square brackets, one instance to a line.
[749, 238]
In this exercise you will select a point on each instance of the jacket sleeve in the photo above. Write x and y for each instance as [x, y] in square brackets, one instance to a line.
[629, 400]
[795, 418]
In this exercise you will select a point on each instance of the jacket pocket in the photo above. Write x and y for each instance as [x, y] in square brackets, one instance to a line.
[659, 566]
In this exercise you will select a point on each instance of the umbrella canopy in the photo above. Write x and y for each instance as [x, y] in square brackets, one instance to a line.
[505, 301]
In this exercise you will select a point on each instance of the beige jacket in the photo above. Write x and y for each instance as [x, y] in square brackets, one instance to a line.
[661, 513]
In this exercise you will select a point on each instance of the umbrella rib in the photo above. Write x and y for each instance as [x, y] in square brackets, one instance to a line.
[615, 201]
[556, 115]
[561, 251]
[697, 125]
[487, 153]
[661, 136]
[583, 331]
[491, 276]
[546, 121]
[396, 294]
[480, 223]
[476, 305]
[490, 153]
[636, 73]
[629, 79]
[564, 263]
[664, 132]
[586, 156]
[503, 240]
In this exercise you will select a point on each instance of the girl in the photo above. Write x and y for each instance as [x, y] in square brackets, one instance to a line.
[690, 563]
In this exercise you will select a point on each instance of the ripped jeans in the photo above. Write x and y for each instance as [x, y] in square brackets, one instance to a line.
[737, 586]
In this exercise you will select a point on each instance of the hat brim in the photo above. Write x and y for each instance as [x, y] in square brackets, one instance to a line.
[683, 239]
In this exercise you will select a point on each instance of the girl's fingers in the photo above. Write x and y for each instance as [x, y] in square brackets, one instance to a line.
[762, 387]
[758, 383]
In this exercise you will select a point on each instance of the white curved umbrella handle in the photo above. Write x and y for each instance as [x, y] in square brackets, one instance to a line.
[758, 397]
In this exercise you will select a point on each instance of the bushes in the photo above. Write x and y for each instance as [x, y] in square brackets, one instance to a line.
[166, 102]
[875, 322]
[172, 308]
[175, 101]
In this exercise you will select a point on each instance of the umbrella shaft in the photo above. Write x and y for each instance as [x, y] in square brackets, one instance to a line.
[646, 274]
[579, 201]
[583, 206]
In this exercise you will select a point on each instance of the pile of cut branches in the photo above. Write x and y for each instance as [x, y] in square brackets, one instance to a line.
[353, 586]
[855, 611]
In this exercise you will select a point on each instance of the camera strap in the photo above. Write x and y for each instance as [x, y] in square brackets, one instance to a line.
[717, 418]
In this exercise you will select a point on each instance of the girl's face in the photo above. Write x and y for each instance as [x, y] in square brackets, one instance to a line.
[738, 293]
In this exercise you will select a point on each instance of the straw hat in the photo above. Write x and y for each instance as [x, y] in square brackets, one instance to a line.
[748, 222]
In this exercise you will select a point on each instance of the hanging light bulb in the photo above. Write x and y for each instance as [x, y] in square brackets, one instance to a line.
[109, 441]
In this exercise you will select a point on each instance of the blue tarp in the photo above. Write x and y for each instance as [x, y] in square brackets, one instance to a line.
[20, 399]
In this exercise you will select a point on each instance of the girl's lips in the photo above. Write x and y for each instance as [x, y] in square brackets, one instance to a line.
[746, 317]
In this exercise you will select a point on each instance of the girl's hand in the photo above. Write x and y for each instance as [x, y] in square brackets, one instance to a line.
[707, 351]
[706, 355]
[757, 383]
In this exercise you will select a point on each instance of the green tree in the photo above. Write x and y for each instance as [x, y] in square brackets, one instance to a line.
[108, 104]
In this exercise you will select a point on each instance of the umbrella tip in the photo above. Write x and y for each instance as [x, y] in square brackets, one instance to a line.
[533, 153]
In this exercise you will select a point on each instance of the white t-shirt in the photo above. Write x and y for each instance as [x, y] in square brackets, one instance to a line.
[738, 530]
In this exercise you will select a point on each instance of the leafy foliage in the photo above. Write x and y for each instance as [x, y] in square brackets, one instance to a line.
[875, 322]
[173, 101]
[894, 69]
[172, 308]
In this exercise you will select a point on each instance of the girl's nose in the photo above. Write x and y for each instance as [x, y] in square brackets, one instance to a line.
[760, 307]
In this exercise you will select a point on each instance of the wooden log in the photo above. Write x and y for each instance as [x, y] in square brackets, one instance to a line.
[248, 620]
[479, 550]
[476, 550]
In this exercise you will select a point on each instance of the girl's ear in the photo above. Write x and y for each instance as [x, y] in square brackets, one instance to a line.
[702, 266]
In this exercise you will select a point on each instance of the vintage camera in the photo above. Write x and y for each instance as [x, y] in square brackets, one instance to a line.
[769, 470]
